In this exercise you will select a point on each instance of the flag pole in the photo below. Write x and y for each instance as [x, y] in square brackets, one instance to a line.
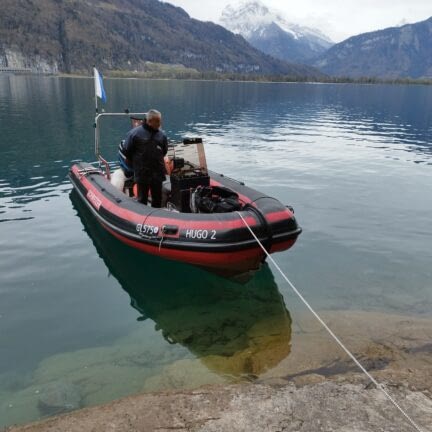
[96, 97]
[96, 126]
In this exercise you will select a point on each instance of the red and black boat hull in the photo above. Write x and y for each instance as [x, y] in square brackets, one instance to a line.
[218, 242]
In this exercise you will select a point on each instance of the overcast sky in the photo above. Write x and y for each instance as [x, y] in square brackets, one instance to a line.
[338, 19]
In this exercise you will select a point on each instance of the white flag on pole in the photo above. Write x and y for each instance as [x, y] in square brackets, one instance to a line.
[99, 87]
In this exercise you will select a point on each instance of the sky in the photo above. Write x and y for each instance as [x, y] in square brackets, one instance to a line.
[338, 19]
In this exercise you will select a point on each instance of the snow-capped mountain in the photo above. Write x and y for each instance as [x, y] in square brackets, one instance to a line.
[269, 31]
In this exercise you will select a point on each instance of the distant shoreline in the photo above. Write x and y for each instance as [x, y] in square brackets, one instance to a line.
[262, 79]
[218, 77]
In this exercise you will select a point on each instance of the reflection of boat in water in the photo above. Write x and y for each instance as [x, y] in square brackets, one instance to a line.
[234, 329]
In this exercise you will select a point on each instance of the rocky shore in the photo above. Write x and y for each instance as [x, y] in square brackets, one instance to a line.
[315, 388]
[327, 406]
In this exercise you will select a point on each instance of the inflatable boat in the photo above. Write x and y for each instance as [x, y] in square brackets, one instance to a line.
[200, 221]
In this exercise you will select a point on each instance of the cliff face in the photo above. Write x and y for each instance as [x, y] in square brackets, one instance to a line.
[16, 60]
[72, 35]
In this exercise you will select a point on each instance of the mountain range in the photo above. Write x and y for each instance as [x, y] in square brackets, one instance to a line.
[72, 35]
[129, 35]
[397, 52]
[269, 31]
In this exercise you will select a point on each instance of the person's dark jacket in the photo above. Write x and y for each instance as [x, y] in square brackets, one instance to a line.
[146, 148]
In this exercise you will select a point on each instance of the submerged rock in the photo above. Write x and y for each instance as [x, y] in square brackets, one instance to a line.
[183, 374]
[15, 380]
[59, 397]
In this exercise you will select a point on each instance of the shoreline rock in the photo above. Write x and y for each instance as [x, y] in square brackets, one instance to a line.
[327, 406]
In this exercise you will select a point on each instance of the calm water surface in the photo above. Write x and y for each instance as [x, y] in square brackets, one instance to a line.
[84, 319]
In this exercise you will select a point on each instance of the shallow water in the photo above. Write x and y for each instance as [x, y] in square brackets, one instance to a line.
[85, 314]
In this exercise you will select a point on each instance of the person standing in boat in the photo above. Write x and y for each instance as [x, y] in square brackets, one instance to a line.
[146, 146]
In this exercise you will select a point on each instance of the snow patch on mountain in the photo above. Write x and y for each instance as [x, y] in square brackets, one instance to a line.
[249, 17]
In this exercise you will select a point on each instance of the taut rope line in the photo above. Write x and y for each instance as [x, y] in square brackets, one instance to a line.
[338, 341]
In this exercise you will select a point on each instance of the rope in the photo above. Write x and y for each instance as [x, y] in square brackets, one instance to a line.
[338, 341]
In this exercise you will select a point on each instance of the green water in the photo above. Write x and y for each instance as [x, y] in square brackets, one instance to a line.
[84, 319]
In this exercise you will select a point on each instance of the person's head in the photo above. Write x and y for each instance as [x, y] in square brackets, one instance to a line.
[154, 119]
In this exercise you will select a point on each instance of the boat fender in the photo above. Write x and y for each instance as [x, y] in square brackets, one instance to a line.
[118, 179]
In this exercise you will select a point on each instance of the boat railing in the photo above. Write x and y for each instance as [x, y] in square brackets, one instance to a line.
[99, 117]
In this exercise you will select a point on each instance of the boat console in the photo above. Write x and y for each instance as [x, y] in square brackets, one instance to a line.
[188, 168]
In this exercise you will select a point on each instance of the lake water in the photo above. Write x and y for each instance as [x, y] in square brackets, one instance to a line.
[84, 319]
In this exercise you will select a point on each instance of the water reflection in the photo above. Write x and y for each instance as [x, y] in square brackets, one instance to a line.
[234, 329]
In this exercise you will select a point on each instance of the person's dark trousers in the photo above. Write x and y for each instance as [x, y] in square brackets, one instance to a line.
[155, 187]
